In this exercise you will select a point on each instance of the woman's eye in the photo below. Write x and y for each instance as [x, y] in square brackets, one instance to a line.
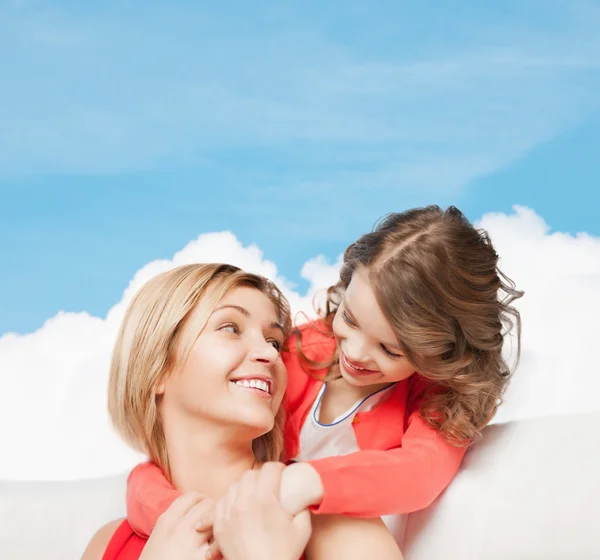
[230, 327]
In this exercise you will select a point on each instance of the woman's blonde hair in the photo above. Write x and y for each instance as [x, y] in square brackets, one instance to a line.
[151, 341]
[437, 281]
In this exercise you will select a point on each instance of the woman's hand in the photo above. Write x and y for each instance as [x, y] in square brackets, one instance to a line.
[184, 531]
[250, 521]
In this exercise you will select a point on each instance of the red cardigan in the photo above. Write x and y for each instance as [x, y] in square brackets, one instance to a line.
[403, 465]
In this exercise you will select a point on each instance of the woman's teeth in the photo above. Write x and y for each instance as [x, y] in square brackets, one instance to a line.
[254, 384]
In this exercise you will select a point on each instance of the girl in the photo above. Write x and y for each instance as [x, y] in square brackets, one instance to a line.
[196, 382]
[396, 379]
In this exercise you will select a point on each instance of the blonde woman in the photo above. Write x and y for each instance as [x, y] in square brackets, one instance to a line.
[196, 383]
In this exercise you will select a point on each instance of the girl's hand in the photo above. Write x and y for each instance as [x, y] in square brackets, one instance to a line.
[184, 531]
[301, 487]
[250, 522]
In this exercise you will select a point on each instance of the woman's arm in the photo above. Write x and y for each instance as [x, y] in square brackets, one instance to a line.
[250, 522]
[336, 536]
[182, 532]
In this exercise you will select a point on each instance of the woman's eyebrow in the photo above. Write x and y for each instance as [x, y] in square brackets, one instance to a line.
[246, 313]
[242, 310]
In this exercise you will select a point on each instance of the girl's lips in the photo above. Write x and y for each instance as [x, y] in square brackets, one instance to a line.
[353, 369]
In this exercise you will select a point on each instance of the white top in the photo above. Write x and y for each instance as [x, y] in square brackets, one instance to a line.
[318, 441]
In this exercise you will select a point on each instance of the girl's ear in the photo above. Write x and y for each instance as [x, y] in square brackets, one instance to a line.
[160, 390]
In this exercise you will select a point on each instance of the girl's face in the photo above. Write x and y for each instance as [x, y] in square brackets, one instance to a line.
[369, 351]
[234, 375]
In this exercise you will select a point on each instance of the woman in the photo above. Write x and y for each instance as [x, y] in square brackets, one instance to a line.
[196, 383]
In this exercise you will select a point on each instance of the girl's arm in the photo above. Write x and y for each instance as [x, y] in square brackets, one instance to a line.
[372, 483]
[149, 493]
[364, 484]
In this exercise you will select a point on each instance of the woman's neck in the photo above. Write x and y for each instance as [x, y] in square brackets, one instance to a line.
[206, 458]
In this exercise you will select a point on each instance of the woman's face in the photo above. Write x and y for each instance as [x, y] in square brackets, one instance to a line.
[369, 351]
[234, 375]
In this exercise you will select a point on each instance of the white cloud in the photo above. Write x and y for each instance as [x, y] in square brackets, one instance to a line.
[54, 380]
[54, 421]
[560, 274]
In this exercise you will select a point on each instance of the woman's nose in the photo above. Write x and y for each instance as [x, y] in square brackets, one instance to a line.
[264, 351]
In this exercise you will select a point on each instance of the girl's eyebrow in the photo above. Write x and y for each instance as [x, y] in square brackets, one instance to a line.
[387, 345]
[246, 313]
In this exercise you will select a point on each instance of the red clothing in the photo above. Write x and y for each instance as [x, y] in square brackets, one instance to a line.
[124, 544]
[402, 465]
[149, 495]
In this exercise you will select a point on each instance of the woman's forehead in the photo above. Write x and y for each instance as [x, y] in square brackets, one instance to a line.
[253, 300]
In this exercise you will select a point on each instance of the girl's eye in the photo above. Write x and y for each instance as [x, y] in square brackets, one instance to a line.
[347, 319]
[390, 354]
[230, 327]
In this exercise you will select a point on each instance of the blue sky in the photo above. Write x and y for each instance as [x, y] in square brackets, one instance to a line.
[130, 128]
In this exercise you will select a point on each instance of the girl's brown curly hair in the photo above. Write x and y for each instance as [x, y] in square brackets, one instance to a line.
[437, 281]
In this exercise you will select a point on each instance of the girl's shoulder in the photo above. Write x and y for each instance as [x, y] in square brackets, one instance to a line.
[312, 341]
[307, 357]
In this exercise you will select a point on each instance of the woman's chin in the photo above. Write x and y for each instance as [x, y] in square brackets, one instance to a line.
[258, 423]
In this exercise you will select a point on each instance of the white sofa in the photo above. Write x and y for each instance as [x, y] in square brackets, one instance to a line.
[529, 490]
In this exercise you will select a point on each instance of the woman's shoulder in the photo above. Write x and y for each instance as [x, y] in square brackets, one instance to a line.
[97, 546]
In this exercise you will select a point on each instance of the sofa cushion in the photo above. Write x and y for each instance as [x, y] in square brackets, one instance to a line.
[56, 519]
[529, 490]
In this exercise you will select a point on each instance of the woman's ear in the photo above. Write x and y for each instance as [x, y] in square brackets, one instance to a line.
[162, 385]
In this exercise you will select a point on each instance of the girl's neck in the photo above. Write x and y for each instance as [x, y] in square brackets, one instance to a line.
[206, 458]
